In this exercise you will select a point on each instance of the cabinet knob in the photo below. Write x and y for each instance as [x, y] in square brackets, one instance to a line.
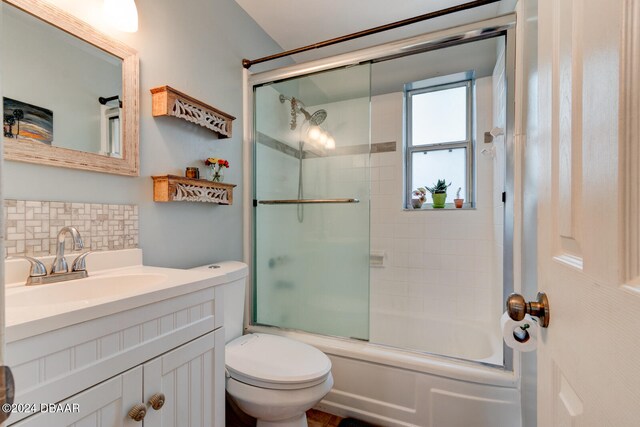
[138, 412]
[156, 401]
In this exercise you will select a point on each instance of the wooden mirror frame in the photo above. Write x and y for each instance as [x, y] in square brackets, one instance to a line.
[35, 152]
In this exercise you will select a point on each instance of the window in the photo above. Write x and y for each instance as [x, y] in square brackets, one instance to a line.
[439, 143]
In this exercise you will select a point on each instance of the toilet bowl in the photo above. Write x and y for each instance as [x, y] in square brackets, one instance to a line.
[276, 379]
[272, 378]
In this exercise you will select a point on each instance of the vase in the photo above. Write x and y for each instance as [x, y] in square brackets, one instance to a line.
[439, 200]
[216, 175]
[416, 203]
[458, 203]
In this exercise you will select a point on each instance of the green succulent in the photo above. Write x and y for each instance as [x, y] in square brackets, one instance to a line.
[439, 187]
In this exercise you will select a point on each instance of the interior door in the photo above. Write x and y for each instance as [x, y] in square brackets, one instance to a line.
[588, 370]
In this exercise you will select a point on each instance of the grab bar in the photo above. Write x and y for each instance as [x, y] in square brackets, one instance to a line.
[306, 201]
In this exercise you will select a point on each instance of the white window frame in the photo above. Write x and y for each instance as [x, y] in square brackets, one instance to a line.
[468, 143]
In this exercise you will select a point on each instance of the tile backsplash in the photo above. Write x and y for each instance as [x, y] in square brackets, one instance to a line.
[32, 226]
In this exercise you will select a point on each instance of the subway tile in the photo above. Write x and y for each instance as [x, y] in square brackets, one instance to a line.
[388, 188]
[433, 261]
[390, 173]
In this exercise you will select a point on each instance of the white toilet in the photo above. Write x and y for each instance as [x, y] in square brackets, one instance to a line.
[272, 378]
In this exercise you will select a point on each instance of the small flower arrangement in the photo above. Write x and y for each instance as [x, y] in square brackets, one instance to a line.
[216, 166]
[419, 197]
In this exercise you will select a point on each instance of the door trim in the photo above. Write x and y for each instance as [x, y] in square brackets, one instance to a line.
[629, 150]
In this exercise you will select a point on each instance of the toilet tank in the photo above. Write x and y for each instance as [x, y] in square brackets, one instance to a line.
[233, 294]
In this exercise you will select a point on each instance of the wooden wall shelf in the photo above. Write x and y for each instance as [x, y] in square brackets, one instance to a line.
[173, 188]
[166, 101]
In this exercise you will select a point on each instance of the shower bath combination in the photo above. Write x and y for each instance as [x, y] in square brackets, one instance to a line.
[408, 317]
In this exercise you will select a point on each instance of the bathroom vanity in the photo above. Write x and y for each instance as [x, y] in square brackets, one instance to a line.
[129, 345]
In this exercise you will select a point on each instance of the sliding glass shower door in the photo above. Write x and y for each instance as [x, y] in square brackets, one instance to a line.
[311, 196]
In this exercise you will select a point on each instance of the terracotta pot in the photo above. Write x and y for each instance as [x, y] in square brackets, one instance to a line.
[458, 202]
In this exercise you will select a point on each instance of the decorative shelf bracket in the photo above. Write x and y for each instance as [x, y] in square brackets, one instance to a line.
[173, 188]
[169, 102]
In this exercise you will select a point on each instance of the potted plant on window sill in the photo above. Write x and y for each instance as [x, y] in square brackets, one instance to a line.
[458, 201]
[439, 193]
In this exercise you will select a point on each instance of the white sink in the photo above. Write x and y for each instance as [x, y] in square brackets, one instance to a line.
[117, 282]
[82, 291]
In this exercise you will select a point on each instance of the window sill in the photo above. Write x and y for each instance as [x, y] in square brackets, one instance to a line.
[447, 207]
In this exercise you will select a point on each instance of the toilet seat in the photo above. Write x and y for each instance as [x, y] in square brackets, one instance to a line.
[275, 362]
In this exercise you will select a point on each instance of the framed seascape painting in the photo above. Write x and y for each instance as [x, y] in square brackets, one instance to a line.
[24, 121]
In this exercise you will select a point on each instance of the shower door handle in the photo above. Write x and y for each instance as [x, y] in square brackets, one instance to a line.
[306, 201]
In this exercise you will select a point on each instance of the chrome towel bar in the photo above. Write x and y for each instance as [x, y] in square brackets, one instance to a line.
[306, 201]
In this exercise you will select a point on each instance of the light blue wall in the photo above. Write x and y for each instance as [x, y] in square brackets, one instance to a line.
[197, 48]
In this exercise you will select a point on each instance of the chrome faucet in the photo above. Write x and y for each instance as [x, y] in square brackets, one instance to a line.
[60, 269]
[60, 263]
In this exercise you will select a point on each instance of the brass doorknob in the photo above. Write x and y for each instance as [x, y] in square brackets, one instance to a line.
[517, 307]
[156, 401]
[138, 412]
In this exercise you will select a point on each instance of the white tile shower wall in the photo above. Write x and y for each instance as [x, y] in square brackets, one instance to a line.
[32, 226]
[439, 264]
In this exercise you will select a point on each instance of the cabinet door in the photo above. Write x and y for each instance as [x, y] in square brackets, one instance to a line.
[106, 404]
[191, 378]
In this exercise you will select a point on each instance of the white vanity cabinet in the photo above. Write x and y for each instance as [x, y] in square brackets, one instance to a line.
[186, 376]
[106, 366]
[105, 404]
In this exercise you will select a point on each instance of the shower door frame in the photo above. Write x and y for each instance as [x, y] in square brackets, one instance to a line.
[504, 25]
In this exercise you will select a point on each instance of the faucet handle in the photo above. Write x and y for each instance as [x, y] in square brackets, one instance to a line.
[38, 269]
[79, 264]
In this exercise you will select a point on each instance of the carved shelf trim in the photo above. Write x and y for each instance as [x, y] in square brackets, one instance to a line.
[173, 188]
[169, 102]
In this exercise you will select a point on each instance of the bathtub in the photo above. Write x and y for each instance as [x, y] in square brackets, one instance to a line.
[393, 387]
[459, 339]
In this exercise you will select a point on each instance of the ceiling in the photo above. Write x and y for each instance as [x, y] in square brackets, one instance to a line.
[295, 23]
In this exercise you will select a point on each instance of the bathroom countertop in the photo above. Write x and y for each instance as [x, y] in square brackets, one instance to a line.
[33, 310]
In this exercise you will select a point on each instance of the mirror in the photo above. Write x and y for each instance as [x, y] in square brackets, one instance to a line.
[70, 93]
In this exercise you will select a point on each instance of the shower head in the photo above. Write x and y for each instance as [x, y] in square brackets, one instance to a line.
[316, 118]
[297, 107]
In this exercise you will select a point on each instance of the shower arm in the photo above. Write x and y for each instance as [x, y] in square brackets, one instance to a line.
[247, 63]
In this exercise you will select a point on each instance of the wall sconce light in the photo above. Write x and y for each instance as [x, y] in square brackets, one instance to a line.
[122, 14]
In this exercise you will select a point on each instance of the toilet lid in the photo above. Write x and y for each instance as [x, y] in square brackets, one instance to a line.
[271, 361]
